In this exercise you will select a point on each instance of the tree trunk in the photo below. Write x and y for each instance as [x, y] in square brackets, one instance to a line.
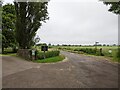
[2, 49]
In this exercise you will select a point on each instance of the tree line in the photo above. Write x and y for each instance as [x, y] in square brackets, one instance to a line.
[21, 20]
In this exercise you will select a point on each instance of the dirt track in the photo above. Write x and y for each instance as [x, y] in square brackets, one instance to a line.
[78, 71]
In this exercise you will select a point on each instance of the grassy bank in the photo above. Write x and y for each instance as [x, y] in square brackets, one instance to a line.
[50, 60]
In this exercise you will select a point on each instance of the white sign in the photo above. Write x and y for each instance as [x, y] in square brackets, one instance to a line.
[110, 51]
[33, 52]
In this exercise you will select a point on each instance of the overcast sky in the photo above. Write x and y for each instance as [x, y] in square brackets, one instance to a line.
[79, 22]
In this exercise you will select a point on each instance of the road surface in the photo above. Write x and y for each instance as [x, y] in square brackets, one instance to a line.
[78, 71]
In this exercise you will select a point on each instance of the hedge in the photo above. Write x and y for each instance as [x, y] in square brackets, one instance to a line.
[89, 51]
[86, 50]
[48, 54]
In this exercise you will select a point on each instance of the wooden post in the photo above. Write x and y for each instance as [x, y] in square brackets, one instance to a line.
[44, 54]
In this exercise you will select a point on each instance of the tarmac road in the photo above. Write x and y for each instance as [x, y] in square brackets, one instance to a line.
[78, 71]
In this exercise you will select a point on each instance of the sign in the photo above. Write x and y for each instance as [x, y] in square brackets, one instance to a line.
[44, 48]
[37, 40]
[33, 52]
[110, 51]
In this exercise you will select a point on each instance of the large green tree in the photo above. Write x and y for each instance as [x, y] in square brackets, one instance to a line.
[114, 6]
[8, 26]
[29, 18]
[0, 26]
[0, 15]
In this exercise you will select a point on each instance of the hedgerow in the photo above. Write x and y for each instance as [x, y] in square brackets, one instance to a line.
[48, 54]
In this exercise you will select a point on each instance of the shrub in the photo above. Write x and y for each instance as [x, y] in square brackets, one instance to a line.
[14, 50]
[59, 48]
[89, 51]
[40, 55]
[118, 53]
[86, 50]
[48, 54]
[117, 56]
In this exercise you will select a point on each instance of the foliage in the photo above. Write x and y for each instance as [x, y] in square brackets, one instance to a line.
[0, 42]
[40, 55]
[0, 17]
[115, 55]
[7, 38]
[86, 50]
[118, 54]
[41, 44]
[114, 7]
[29, 18]
[8, 26]
[50, 60]
[92, 51]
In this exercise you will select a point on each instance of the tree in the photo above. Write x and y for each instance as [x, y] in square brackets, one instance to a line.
[104, 44]
[0, 42]
[0, 26]
[49, 44]
[41, 44]
[8, 26]
[114, 6]
[29, 18]
[114, 45]
[0, 15]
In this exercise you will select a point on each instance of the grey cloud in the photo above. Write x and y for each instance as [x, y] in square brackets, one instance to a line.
[79, 23]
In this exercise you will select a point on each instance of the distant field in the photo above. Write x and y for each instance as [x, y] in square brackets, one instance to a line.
[105, 49]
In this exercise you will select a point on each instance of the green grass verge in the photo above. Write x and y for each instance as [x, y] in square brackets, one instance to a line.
[51, 60]
[12, 54]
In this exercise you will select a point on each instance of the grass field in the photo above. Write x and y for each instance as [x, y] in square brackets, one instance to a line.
[105, 50]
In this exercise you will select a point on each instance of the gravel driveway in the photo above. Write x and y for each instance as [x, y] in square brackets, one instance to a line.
[78, 71]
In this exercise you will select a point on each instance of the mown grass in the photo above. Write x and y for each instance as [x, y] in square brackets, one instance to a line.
[50, 60]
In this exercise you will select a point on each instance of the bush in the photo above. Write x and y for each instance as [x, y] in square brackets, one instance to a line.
[15, 50]
[10, 50]
[89, 51]
[48, 54]
[118, 54]
[86, 50]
